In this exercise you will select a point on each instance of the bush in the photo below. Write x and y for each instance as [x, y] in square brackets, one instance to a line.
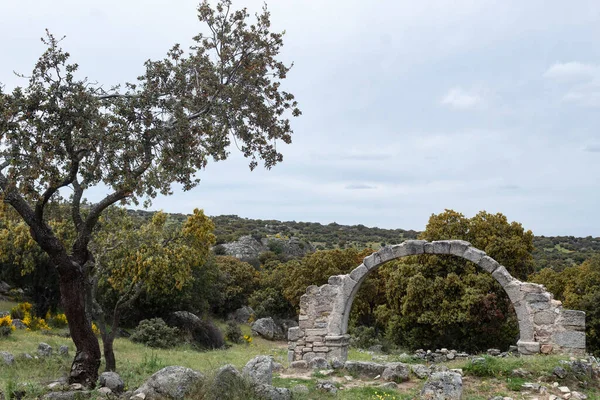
[270, 302]
[202, 334]
[364, 337]
[6, 326]
[21, 310]
[155, 333]
[57, 321]
[233, 333]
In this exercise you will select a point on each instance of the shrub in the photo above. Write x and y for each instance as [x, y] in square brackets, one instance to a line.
[21, 310]
[364, 337]
[35, 323]
[233, 333]
[57, 321]
[6, 326]
[155, 333]
[269, 302]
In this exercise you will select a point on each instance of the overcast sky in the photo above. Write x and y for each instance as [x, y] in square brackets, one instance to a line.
[409, 107]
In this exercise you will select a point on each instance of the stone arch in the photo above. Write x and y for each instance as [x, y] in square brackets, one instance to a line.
[544, 326]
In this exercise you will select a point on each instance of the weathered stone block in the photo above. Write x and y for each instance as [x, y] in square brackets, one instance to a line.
[538, 298]
[372, 261]
[428, 248]
[414, 247]
[458, 247]
[312, 339]
[570, 339]
[441, 247]
[307, 356]
[546, 348]
[386, 254]
[400, 250]
[359, 273]
[488, 264]
[295, 333]
[572, 318]
[290, 356]
[532, 287]
[312, 289]
[544, 317]
[301, 364]
[513, 290]
[474, 255]
[528, 348]
[335, 280]
[303, 324]
[322, 349]
[502, 276]
[315, 332]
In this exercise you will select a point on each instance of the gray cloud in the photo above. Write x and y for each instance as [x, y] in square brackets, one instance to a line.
[592, 148]
[359, 186]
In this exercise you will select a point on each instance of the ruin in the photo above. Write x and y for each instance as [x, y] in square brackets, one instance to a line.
[544, 325]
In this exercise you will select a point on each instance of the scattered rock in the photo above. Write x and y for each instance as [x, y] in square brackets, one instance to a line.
[269, 392]
[113, 381]
[442, 386]
[478, 360]
[227, 378]
[69, 395]
[300, 389]
[76, 386]
[336, 364]
[17, 323]
[277, 367]
[531, 386]
[44, 350]
[267, 328]
[326, 386]
[4, 288]
[389, 385]
[63, 350]
[578, 396]
[395, 372]
[457, 371]
[348, 378]
[420, 370]
[26, 356]
[172, 382]
[318, 363]
[55, 386]
[299, 364]
[560, 372]
[521, 373]
[259, 369]
[7, 358]
[494, 352]
[564, 389]
[367, 369]
[104, 392]
[242, 315]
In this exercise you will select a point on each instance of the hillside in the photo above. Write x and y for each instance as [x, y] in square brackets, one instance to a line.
[557, 252]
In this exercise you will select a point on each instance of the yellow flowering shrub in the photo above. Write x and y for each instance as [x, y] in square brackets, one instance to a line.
[248, 339]
[57, 321]
[95, 329]
[36, 323]
[20, 310]
[6, 326]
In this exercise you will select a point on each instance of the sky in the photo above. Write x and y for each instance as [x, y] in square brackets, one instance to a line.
[409, 107]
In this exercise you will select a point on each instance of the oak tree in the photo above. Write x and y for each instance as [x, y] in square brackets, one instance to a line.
[138, 139]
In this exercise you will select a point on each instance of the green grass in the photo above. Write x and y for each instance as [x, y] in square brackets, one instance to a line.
[6, 305]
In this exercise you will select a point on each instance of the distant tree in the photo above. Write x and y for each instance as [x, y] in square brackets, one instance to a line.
[61, 131]
[237, 280]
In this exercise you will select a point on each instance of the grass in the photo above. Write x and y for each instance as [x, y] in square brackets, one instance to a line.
[135, 363]
[6, 305]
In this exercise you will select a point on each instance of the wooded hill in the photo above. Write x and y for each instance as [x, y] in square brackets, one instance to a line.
[557, 252]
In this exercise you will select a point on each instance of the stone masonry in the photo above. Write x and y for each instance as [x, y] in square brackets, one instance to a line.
[544, 326]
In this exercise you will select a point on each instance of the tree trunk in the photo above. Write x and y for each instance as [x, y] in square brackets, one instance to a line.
[109, 354]
[85, 366]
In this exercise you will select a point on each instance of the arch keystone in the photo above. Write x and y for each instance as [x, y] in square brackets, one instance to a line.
[441, 247]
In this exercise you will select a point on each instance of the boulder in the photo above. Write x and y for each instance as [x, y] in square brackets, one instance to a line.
[560, 372]
[259, 369]
[300, 389]
[63, 350]
[300, 364]
[201, 333]
[318, 363]
[420, 370]
[113, 381]
[269, 392]
[326, 386]
[227, 380]
[267, 328]
[395, 372]
[7, 358]
[17, 323]
[242, 314]
[366, 369]
[4, 288]
[172, 382]
[44, 350]
[442, 386]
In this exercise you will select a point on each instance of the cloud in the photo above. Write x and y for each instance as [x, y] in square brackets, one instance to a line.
[359, 186]
[461, 99]
[592, 148]
[572, 71]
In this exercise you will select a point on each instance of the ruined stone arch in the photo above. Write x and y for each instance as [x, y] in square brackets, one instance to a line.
[544, 326]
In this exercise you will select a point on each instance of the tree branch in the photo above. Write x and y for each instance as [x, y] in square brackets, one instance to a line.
[52, 189]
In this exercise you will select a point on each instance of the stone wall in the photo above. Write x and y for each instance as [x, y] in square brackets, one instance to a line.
[544, 325]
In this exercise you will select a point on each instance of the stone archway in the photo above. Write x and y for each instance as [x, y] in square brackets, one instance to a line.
[544, 325]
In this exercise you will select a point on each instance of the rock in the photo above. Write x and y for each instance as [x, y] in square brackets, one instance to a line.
[76, 386]
[226, 380]
[172, 382]
[139, 396]
[69, 395]
[55, 386]
[337, 364]
[560, 372]
[377, 348]
[242, 315]
[318, 363]
[478, 360]
[259, 369]
[420, 370]
[63, 350]
[113, 381]
[395, 372]
[564, 389]
[17, 323]
[494, 352]
[367, 369]
[269, 392]
[326, 386]
[578, 395]
[7, 358]
[450, 356]
[299, 364]
[326, 372]
[267, 328]
[581, 369]
[104, 392]
[442, 386]
[4, 288]
[389, 385]
[277, 367]
[44, 350]
[521, 373]
[26, 356]
[457, 371]
[202, 333]
[300, 389]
